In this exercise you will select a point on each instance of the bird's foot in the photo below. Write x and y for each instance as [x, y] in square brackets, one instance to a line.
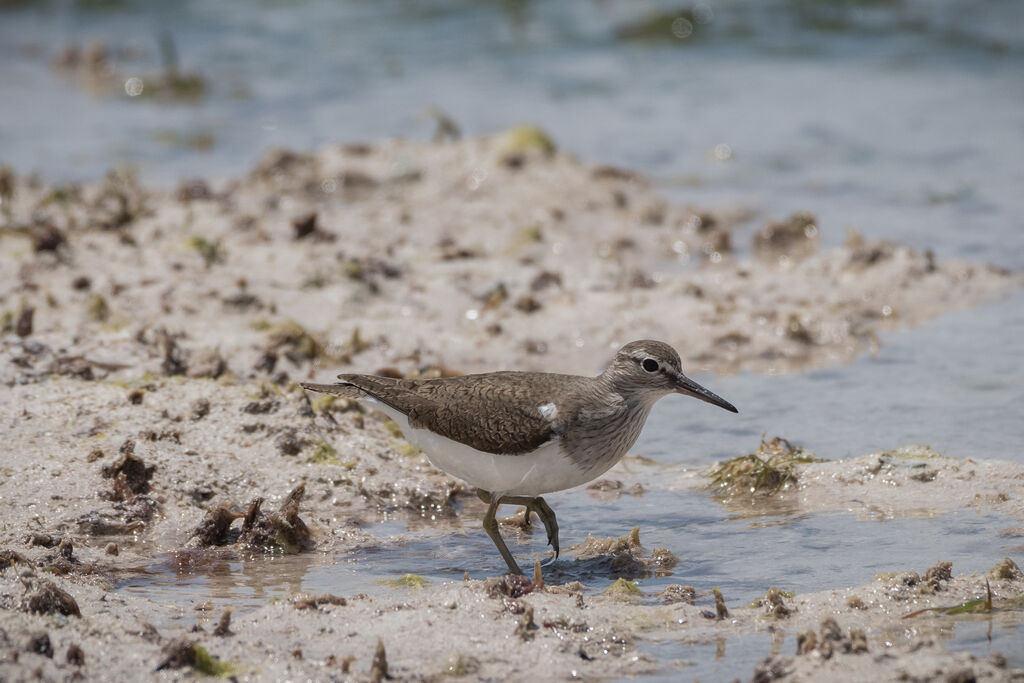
[547, 516]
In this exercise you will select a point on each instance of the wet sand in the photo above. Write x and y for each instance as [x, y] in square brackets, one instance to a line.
[152, 342]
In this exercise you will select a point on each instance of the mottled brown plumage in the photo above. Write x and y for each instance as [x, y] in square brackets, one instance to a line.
[494, 412]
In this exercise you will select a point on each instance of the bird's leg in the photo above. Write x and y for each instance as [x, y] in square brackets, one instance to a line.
[546, 515]
[486, 497]
[491, 527]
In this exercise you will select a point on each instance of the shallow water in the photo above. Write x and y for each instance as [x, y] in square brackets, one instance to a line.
[955, 383]
[900, 119]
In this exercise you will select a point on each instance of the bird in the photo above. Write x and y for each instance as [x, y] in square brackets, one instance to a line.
[516, 436]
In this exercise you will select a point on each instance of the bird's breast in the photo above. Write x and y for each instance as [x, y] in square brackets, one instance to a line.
[595, 445]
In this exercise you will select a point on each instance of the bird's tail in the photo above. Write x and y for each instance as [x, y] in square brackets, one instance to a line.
[343, 390]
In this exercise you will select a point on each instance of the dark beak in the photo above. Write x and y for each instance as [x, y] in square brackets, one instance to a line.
[687, 387]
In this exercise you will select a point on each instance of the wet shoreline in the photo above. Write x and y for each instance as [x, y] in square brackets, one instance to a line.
[153, 341]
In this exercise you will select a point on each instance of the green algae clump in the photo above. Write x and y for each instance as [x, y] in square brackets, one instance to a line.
[392, 428]
[522, 140]
[621, 589]
[212, 251]
[406, 581]
[405, 448]
[771, 469]
[210, 665]
[183, 652]
[324, 454]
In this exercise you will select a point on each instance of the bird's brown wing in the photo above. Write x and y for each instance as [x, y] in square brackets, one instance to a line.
[496, 412]
[343, 390]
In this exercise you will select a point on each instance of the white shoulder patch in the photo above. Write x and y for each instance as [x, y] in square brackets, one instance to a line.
[549, 411]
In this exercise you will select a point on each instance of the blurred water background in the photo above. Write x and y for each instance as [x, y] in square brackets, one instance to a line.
[903, 119]
[899, 117]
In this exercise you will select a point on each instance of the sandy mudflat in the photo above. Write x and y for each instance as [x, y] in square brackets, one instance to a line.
[465, 255]
[475, 630]
[152, 340]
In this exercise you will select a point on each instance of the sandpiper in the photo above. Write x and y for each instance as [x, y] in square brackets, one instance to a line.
[518, 435]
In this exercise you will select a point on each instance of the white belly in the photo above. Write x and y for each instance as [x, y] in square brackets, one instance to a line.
[532, 474]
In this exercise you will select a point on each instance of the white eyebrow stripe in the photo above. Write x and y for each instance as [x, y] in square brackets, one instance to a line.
[549, 411]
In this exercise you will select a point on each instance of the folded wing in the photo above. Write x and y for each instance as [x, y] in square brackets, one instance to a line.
[501, 417]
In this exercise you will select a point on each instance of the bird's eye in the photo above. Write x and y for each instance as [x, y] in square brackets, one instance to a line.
[650, 365]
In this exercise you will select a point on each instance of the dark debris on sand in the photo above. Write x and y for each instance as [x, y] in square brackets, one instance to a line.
[279, 531]
[12, 558]
[215, 529]
[623, 557]
[509, 586]
[282, 530]
[184, 652]
[315, 601]
[130, 471]
[45, 597]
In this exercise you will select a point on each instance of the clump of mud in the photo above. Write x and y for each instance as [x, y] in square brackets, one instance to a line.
[622, 557]
[12, 558]
[130, 474]
[831, 639]
[721, 611]
[509, 585]
[133, 507]
[676, 593]
[316, 601]
[223, 627]
[774, 603]
[61, 559]
[43, 596]
[279, 531]
[793, 239]
[215, 529]
[938, 576]
[1007, 570]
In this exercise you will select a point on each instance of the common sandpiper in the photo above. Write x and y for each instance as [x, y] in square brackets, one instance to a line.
[518, 435]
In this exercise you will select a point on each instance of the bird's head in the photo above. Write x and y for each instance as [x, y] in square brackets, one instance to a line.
[651, 369]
